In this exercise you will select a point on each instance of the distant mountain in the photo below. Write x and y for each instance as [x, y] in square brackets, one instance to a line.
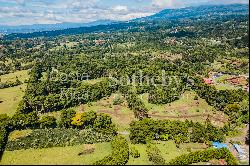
[49, 27]
[206, 11]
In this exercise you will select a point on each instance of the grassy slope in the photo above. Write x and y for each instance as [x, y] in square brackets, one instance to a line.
[168, 151]
[21, 75]
[186, 104]
[57, 155]
[11, 97]
[69, 155]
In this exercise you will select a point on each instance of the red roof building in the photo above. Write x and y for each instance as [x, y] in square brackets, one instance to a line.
[208, 81]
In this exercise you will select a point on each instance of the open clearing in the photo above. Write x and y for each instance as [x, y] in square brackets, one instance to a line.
[10, 97]
[168, 151]
[184, 108]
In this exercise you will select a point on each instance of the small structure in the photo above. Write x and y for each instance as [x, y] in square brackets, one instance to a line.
[219, 145]
[246, 88]
[217, 75]
[240, 151]
[99, 42]
[208, 81]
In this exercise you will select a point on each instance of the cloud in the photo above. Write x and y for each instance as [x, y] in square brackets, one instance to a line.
[162, 4]
[167, 3]
[18, 12]
[120, 8]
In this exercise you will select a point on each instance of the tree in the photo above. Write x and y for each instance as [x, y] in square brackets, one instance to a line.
[48, 122]
[66, 118]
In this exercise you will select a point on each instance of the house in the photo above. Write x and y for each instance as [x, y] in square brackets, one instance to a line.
[219, 145]
[208, 81]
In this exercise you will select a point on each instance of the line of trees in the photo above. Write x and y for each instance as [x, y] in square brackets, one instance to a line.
[181, 132]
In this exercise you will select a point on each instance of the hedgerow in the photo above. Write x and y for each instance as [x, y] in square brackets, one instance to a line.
[3, 140]
[59, 137]
[181, 132]
[4, 122]
[205, 156]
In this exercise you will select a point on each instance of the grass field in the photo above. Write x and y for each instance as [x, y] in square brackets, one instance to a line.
[121, 115]
[21, 75]
[168, 151]
[55, 156]
[185, 108]
[69, 155]
[185, 105]
[10, 98]
[225, 86]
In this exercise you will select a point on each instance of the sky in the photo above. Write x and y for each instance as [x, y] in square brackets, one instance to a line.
[27, 12]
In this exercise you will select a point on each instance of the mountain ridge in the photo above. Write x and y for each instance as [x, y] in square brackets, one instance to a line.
[196, 13]
[50, 27]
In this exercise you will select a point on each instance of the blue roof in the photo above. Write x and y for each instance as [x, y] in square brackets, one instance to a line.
[219, 145]
[239, 149]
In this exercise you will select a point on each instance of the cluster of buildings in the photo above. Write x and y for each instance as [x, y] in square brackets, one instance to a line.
[235, 80]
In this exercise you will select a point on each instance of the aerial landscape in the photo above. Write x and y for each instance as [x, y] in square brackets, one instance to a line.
[124, 82]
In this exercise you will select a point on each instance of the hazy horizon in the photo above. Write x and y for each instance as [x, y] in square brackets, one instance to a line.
[31, 12]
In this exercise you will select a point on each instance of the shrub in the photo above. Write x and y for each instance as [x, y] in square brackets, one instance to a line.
[120, 153]
[4, 123]
[23, 121]
[66, 118]
[118, 100]
[4, 120]
[154, 155]
[134, 152]
[48, 122]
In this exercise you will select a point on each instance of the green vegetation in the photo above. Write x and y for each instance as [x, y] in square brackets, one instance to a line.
[205, 156]
[149, 129]
[46, 138]
[154, 155]
[120, 153]
[48, 122]
[143, 79]
[134, 152]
